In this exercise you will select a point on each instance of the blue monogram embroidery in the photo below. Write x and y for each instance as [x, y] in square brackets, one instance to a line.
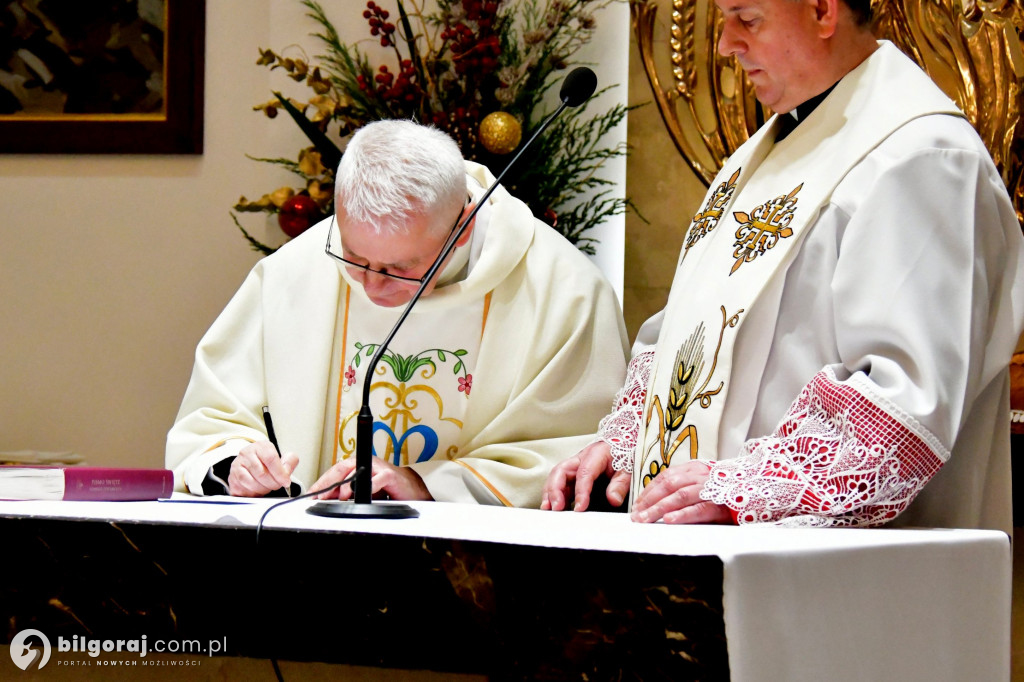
[429, 441]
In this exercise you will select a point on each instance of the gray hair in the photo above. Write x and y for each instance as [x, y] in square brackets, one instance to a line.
[394, 170]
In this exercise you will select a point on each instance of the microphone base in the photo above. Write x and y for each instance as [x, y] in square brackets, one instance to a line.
[351, 510]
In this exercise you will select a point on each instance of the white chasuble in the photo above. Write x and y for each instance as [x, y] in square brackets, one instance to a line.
[501, 371]
[737, 250]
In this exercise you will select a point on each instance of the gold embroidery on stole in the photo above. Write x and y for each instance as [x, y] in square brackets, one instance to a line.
[689, 366]
[764, 227]
[707, 220]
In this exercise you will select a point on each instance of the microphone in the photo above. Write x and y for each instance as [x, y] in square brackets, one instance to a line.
[578, 86]
[576, 89]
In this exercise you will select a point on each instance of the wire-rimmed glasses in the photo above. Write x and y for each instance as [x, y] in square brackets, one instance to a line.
[385, 273]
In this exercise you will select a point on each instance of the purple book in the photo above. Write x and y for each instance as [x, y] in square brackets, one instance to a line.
[20, 482]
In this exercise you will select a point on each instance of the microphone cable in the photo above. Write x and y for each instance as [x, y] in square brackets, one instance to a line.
[259, 527]
[259, 524]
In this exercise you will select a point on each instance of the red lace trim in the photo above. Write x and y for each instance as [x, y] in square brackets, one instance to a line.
[837, 458]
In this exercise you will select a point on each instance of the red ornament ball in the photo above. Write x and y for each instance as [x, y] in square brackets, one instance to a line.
[297, 215]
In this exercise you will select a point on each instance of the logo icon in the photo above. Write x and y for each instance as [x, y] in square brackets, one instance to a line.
[25, 655]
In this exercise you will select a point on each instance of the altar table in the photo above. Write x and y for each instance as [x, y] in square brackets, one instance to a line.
[513, 593]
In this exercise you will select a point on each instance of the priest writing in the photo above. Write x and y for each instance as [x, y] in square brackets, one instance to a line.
[504, 366]
[835, 346]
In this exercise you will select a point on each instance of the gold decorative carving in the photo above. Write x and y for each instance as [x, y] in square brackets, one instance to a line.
[971, 49]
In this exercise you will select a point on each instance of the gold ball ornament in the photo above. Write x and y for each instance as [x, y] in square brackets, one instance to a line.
[500, 132]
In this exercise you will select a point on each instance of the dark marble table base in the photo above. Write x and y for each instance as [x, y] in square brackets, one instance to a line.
[511, 612]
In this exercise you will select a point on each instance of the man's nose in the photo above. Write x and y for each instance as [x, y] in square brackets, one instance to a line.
[374, 280]
[728, 45]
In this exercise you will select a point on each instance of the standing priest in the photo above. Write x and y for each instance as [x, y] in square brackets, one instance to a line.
[507, 362]
[835, 345]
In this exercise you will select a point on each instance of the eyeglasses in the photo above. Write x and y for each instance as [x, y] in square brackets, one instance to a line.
[385, 273]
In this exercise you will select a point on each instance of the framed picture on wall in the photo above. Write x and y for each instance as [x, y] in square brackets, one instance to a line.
[102, 77]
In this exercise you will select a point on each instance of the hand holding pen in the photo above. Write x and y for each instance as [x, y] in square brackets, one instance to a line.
[260, 469]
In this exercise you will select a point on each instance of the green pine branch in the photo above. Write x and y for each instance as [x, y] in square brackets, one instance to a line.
[287, 164]
[256, 244]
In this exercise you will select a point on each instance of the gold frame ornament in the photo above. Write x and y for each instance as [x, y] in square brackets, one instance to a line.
[970, 48]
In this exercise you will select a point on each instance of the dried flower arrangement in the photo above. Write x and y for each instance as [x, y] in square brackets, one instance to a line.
[478, 69]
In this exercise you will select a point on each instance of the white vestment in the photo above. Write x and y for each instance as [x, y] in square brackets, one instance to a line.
[501, 371]
[876, 352]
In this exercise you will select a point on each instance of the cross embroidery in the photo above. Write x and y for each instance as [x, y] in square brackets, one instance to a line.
[705, 221]
[763, 228]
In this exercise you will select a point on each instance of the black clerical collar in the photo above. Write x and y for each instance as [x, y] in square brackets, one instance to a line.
[791, 119]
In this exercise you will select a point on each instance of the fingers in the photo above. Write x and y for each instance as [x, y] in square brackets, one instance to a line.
[557, 485]
[702, 512]
[576, 475]
[242, 484]
[338, 472]
[273, 474]
[674, 497]
[670, 481]
[350, 469]
[399, 483]
[258, 470]
[618, 488]
[585, 477]
[382, 481]
[595, 460]
[654, 503]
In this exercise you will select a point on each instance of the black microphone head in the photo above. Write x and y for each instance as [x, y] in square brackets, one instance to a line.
[578, 86]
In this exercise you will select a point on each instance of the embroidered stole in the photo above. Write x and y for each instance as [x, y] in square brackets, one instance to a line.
[740, 244]
[421, 388]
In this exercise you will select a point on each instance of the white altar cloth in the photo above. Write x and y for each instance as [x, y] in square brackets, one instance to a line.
[800, 604]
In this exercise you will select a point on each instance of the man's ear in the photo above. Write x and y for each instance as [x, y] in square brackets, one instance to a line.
[826, 14]
[464, 239]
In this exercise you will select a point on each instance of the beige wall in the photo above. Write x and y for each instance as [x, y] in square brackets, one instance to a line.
[666, 192]
[112, 267]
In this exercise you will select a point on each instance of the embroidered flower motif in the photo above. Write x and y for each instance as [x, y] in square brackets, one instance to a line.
[466, 383]
[350, 376]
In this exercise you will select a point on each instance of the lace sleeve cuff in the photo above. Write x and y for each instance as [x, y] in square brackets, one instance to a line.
[621, 428]
[838, 458]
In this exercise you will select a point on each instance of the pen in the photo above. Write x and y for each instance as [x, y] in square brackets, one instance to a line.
[273, 440]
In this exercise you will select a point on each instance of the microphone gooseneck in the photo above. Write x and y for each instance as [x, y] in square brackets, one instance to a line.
[576, 89]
